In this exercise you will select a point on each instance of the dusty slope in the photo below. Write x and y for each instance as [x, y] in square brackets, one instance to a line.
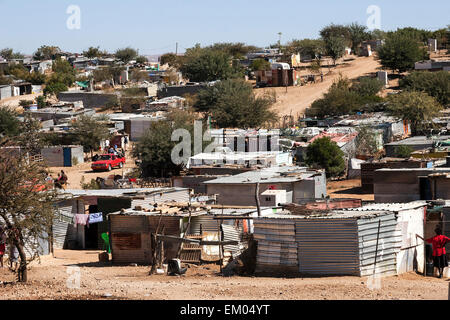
[49, 281]
[297, 99]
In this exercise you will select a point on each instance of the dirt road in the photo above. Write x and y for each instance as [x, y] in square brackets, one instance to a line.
[53, 279]
[297, 99]
[76, 173]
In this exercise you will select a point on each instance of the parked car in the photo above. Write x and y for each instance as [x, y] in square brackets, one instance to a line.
[108, 162]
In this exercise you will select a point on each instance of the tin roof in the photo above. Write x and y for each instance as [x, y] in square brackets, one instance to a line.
[268, 175]
[118, 192]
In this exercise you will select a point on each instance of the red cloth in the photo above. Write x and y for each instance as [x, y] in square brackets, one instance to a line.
[438, 244]
[2, 249]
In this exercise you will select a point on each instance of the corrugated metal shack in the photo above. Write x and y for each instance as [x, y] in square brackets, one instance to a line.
[333, 243]
[131, 230]
[105, 201]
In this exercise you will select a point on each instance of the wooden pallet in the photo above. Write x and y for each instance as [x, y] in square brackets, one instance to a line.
[191, 252]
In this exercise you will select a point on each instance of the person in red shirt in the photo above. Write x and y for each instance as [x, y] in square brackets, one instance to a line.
[439, 254]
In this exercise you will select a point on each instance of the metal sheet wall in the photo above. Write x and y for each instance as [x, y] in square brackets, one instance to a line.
[277, 249]
[389, 244]
[64, 229]
[175, 196]
[143, 226]
[327, 246]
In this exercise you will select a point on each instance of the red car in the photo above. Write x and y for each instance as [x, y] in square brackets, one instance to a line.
[107, 162]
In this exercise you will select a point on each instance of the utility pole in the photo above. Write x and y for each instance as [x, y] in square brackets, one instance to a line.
[176, 49]
[279, 40]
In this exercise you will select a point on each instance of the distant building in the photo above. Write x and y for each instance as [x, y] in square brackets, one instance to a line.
[298, 182]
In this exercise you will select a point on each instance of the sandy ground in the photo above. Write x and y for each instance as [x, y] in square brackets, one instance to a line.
[75, 173]
[13, 102]
[53, 279]
[298, 98]
[347, 189]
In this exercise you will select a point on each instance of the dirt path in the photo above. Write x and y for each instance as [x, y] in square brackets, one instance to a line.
[76, 173]
[347, 189]
[297, 99]
[49, 280]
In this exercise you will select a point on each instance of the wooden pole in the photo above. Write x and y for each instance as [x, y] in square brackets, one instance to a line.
[180, 248]
[257, 199]
[219, 239]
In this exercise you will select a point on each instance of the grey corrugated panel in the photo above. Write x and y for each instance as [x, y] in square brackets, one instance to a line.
[327, 246]
[384, 224]
[128, 223]
[208, 224]
[230, 234]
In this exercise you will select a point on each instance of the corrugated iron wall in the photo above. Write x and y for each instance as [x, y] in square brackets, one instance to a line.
[327, 246]
[64, 229]
[175, 196]
[389, 244]
[131, 237]
[277, 249]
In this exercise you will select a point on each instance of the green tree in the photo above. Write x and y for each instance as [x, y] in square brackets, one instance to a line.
[89, 132]
[232, 103]
[400, 52]
[41, 102]
[9, 124]
[366, 141]
[357, 33]
[126, 54]
[209, 66]
[306, 47]
[46, 53]
[26, 209]
[92, 52]
[436, 84]
[335, 47]
[154, 149]
[9, 54]
[260, 65]
[416, 107]
[336, 31]
[54, 87]
[29, 138]
[170, 58]
[324, 153]
[367, 86]
[403, 151]
[141, 59]
[315, 66]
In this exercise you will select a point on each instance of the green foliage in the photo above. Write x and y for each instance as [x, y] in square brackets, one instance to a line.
[170, 58]
[232, 103]
[54, 87]
[92, 185]
[436, 84]
[416, 107]
[92, 52]
[9, 124]
[367, 86]
[30, 137]
[260, 65]
[357, 34]
[403, 151]
[315, 66]
[209, 66]
[46, 53]
[324, 153]
[335, 47]
[154, 149]
[336, 31]
[344, 98]
[36, 78]
[9, 54]
[126, 54]
[141, 59]
[25, 103]
[306, 47]
[26, 209]
[236, 50]
[41, 102]
[366, 143]
[400, 52]
[89, 131]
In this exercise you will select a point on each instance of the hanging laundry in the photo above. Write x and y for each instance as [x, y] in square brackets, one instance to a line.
[82, 219]
[95, 217]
